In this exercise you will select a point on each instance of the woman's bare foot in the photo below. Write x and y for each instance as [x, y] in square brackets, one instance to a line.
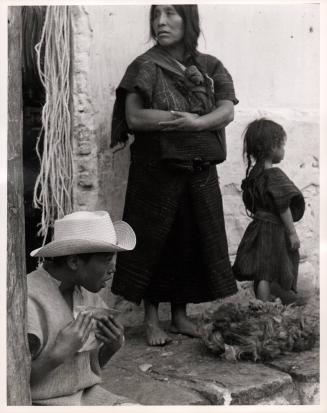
[181, 323]
[186, 327]
[156, 336]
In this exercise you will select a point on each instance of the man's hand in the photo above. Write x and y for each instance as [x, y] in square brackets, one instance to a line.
[72, 337]
[68, 341]
[111, 333]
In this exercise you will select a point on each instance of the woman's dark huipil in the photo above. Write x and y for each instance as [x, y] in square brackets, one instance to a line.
[264, 252]
[173, 200]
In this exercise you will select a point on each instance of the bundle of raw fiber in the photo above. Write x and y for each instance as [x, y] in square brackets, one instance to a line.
[259, 331]
[53, 187]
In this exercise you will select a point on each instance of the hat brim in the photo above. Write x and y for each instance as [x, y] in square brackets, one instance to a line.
[126, 241]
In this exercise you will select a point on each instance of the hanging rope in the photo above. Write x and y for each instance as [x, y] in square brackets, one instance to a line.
[54, 184]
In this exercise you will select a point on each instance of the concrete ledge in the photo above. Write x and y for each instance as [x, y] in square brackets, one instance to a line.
[304, 369]
[185, 373]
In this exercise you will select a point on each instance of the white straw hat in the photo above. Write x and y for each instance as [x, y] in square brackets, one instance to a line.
[84, 232]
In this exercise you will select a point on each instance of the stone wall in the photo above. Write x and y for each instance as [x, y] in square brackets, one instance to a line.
[272, 52]
[102, 50]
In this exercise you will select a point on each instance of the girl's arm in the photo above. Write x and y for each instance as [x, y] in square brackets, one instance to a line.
[220, 117]
[287, 219]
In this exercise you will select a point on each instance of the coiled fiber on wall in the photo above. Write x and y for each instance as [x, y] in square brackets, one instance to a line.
[53, 187]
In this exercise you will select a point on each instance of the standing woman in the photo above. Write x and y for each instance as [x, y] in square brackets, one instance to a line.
[176, 101]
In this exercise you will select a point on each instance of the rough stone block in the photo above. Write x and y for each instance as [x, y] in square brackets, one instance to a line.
[145, 390]
[86, 180]
[86, 199]
[84, 148]
[184, 372]
[304, 368]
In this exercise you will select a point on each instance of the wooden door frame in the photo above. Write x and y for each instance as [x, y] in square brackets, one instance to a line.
[18, 356]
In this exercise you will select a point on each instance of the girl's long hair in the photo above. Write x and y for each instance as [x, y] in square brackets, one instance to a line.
[190, 15]
[260, 137]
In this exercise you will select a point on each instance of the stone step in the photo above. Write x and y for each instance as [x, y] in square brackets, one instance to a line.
[184, 372]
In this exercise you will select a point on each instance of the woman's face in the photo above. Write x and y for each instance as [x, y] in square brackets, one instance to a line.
[168, 25]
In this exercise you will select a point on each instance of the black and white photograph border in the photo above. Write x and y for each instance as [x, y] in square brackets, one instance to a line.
[275, 53]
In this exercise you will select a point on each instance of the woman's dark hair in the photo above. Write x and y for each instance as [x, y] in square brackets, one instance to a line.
[190, 15]
[260, 137]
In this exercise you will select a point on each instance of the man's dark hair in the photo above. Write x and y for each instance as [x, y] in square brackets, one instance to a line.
[60, 261]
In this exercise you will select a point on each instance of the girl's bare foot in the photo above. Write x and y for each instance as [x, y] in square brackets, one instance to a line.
[156, 336]
[262, 290]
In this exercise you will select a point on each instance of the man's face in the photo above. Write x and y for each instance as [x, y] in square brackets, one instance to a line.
[94, 273]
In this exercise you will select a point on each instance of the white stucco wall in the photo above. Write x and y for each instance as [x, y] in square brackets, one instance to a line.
[272, 52]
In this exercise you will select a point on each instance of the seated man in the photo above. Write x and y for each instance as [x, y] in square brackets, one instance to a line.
[71, 336]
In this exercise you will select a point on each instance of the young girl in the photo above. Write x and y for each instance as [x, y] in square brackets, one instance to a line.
[269, 251]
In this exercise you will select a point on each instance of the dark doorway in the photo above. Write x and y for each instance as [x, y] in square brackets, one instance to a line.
[33, 101]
